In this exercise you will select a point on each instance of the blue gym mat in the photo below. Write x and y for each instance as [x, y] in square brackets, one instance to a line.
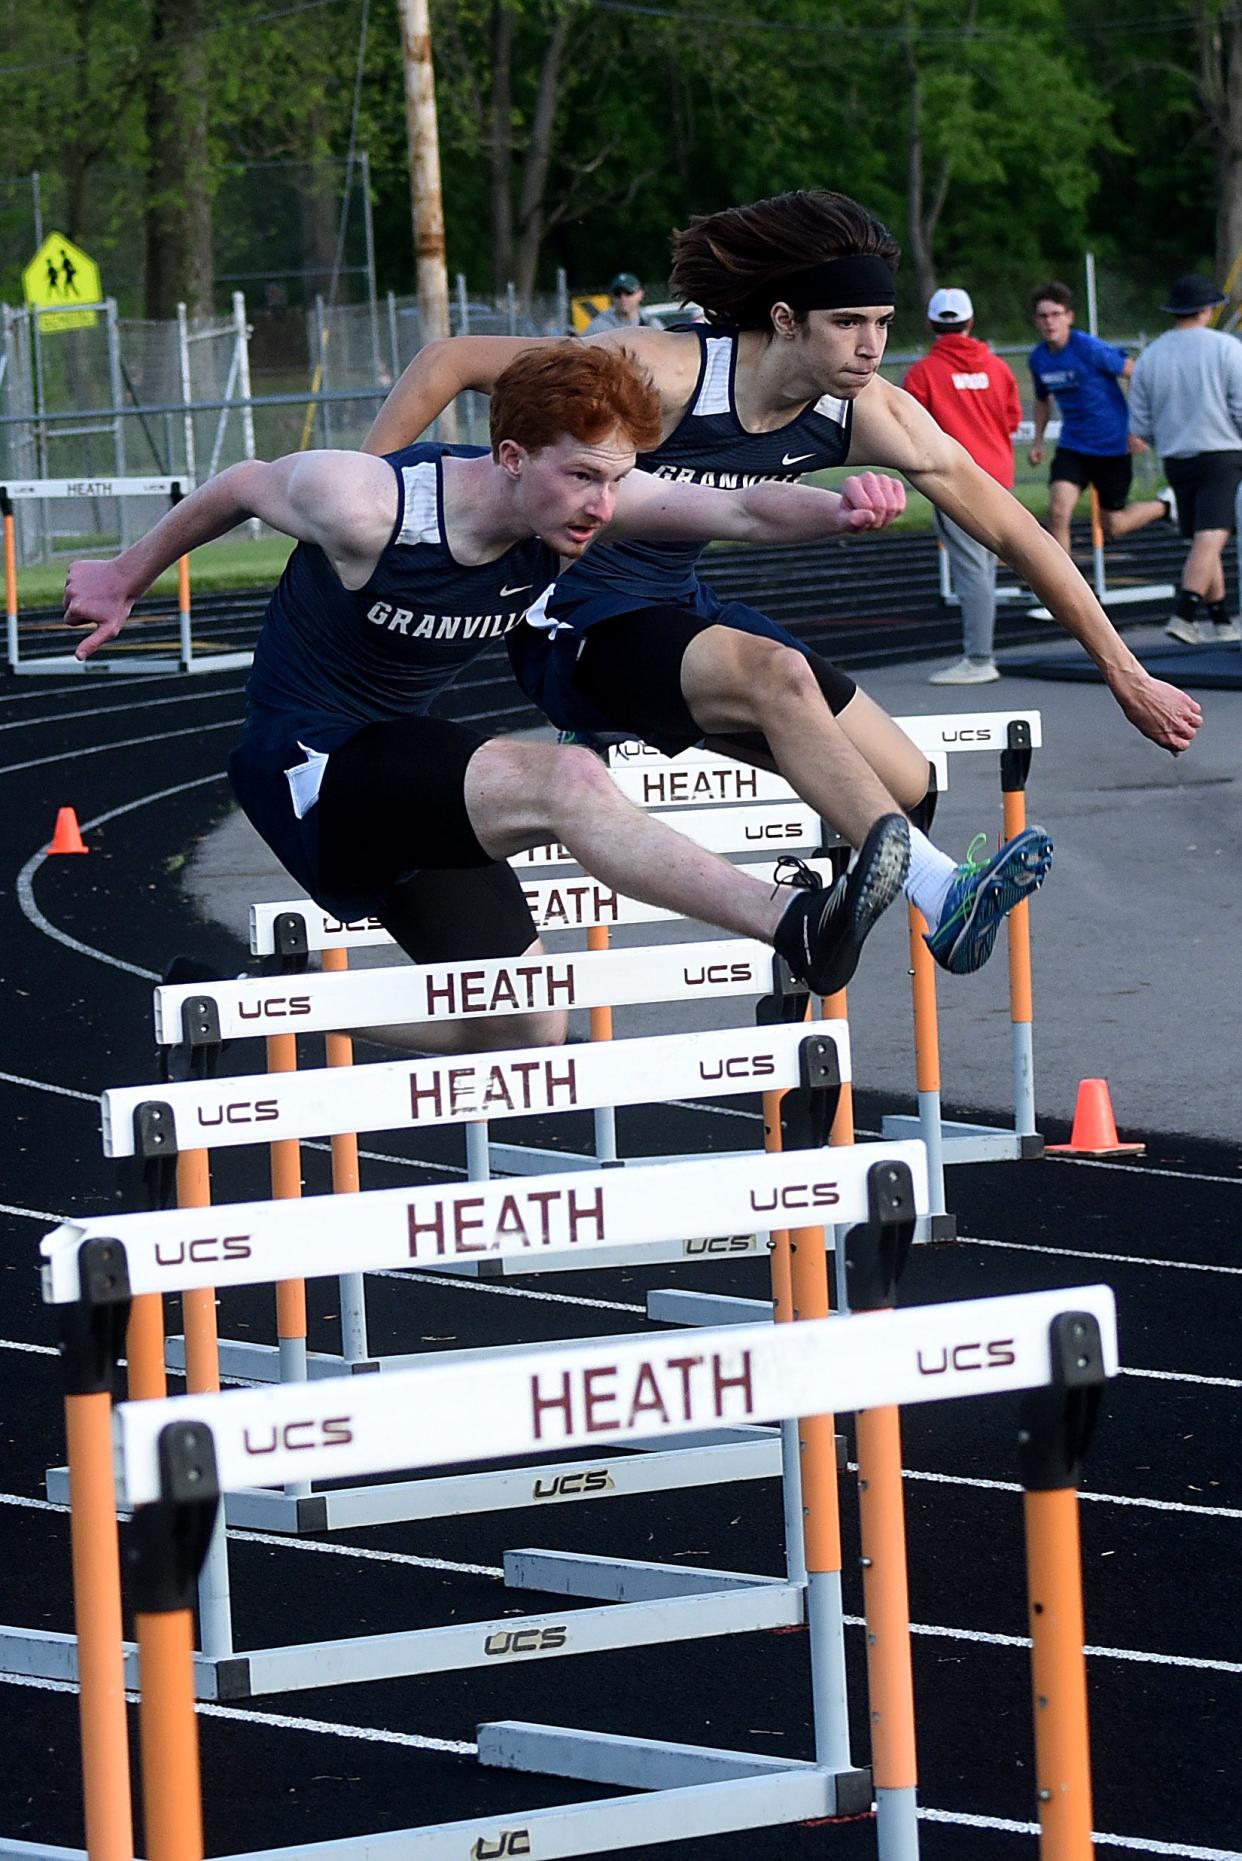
[1211, 668]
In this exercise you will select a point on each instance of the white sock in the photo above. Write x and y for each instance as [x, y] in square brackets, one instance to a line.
[929, 877]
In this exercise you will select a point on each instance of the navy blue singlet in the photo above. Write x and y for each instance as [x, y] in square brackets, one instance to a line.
[330, 660]
[709, 446]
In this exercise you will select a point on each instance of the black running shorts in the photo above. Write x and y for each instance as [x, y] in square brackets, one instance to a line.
[1206, 485]
[629, 668]
[393, 822]
[1109, 472]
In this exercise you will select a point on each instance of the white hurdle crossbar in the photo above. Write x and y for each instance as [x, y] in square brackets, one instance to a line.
[175, 1456]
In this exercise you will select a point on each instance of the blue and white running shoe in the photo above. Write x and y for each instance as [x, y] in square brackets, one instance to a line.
[981, 894]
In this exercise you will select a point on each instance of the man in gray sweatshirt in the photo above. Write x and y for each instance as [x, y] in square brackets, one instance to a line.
[1186, 400]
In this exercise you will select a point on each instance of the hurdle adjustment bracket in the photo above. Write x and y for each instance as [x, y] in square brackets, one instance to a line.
[289, 935]
[92, 1327]
[167, 1541]
[200, 1022]
[1056, 1423]
[876, 1250]
[787, 1002]
[807, 1111]
[1016, 757]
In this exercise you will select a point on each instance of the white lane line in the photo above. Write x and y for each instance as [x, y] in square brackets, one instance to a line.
[30, 1214]
[383, 1156]
[81, 691]
[1184, 1376]
[360, 1553]
[125, 743]
[933, 1630]
[517, 1292]
[1138, 1844]
[113, 710]
[1085, 1253]
[721, 1111]
[286, 1722]
[45, 1085]
[1103, 1499]
[937, 1631]
[26, 877]
[1146, 1169]
[378, 1735]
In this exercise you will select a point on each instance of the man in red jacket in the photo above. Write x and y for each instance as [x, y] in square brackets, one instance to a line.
[973, 396]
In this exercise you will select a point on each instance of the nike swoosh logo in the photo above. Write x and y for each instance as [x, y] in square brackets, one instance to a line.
[520, 589]
[797, 458]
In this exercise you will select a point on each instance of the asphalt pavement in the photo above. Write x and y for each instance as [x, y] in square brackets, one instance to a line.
[1135, 935]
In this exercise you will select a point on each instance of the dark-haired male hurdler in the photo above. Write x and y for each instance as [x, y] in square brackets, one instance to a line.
[783, 379]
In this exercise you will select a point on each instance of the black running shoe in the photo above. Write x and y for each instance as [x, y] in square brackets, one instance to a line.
[822, 933]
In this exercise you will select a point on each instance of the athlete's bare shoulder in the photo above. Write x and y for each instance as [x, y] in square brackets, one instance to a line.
[671, 358]
[891, 428]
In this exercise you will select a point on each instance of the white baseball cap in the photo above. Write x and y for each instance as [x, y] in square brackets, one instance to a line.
[951, 306]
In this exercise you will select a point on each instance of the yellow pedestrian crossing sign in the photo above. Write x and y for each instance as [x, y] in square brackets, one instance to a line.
[60, 277]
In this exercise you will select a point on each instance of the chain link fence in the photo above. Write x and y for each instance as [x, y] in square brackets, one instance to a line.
[127, 396]
[185, 399]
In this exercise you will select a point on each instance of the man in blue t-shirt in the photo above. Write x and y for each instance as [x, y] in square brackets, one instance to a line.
[1095, 445]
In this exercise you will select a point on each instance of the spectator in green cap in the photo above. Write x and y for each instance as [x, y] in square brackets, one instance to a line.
[626, 292]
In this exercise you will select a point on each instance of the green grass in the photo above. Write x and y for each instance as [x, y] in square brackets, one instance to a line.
[917, 515]
[229, 563]
[242, 562]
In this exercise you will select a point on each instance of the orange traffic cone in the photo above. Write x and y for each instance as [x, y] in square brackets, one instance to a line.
[67, 837]
[1095, 1131]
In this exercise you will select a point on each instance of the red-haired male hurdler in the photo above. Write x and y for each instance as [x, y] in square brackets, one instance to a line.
[406, 566]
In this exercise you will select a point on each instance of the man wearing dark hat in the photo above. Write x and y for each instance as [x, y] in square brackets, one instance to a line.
[1186, 399]
[971, 394]
[626, 292]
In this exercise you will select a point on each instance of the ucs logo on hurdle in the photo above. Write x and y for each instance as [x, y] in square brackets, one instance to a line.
[575, 1485]
[509, 1842]
[326, 1431]
[526, 1640]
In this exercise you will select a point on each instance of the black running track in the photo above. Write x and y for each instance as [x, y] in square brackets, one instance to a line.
[1162, 1526]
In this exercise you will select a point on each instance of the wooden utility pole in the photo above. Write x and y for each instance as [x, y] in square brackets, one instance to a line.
[426, 202]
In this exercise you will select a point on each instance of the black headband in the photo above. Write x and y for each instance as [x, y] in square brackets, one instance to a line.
[833, 284]
[836, 284]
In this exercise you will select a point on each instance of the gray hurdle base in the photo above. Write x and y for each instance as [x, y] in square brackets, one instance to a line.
[620, 1072]
[1060, 1341]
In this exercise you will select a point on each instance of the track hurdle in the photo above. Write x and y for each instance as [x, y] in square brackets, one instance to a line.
[1110, 597]
[176, 1457]
[1011, 736]
[628, 1072]
[46, 489]
[93, 1269]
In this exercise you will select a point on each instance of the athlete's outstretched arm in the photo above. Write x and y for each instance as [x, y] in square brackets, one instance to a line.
[652, 508]
[892, 429]
[340, 500]
[439, 372]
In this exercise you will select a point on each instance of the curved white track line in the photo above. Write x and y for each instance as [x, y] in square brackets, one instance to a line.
[26, 877]
[126, 743]
[113, 710]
